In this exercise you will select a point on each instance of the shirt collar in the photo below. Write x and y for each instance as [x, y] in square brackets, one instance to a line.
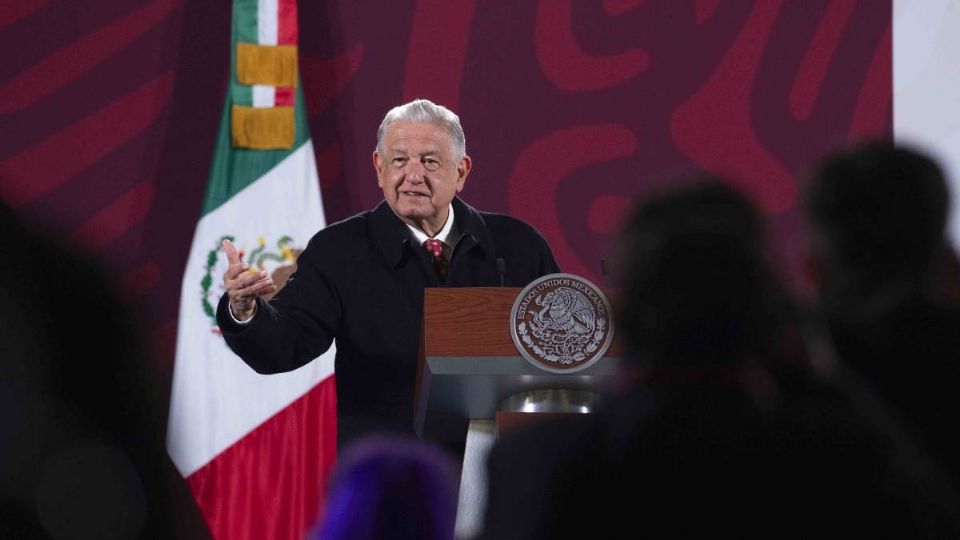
[392, 235]
[446, 234]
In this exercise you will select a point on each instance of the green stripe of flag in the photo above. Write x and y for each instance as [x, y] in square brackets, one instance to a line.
[244, 30]
[245, 22]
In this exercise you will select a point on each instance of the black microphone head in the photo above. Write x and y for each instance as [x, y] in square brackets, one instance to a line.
[501, 269]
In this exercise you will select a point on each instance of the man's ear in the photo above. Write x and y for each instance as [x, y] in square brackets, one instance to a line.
[378, 166]
[463, 169]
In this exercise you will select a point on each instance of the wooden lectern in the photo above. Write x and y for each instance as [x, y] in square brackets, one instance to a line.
[469, 370]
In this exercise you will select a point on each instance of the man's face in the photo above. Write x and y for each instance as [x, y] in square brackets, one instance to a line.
[419, 174]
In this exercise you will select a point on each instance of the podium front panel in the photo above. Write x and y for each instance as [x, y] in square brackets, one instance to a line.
[469, 364]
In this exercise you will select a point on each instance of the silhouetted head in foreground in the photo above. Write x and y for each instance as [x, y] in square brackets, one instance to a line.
[81, 435]
[878, 213]
[391, 489]
[728, 431]
[694, 286]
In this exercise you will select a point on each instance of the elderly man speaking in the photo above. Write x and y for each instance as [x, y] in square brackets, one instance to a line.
[360, 281]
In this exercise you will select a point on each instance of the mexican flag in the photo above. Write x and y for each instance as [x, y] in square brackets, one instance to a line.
[253, 448]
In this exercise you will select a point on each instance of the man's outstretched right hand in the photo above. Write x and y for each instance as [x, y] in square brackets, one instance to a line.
[243, 286]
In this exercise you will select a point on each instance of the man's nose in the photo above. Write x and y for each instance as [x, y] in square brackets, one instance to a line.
[415, 171]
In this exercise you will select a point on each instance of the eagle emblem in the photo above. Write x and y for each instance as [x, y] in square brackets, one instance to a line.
[561, 323]
[281, 264]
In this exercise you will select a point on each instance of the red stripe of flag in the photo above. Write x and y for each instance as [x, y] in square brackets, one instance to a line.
[286, 35]
[283, 97]
[272, 482]
[287, 23]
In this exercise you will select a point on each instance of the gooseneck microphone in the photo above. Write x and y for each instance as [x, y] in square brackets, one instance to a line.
[501, 269]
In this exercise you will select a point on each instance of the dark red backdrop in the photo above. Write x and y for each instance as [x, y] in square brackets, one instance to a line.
[108, 110]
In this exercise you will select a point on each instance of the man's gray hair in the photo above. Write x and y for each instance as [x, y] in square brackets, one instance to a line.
[426, 111]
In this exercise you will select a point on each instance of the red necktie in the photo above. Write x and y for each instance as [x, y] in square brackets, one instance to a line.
[435, 248]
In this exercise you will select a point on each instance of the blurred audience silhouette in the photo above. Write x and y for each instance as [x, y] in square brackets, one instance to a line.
[387, 488]
[886, 277]
[81, 437]
[724, 427]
